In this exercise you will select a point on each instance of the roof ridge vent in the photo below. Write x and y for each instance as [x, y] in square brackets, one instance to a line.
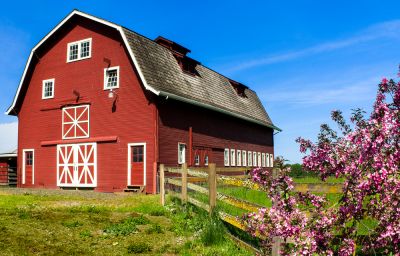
[172, 46]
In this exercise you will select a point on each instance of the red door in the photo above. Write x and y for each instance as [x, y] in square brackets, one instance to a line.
[27, 177]
[137, 165]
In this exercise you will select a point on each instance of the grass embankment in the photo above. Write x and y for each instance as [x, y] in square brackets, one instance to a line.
[48, 222]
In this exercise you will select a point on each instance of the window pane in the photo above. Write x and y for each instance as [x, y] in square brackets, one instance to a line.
[112, 78]
[73, 52]
[85, 49]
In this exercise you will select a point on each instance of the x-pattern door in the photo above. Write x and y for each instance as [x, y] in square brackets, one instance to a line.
[75, 122]
[77, 165]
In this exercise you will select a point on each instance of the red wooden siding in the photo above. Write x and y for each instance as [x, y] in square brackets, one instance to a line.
[130, 118]
[3, 172]
[211, 131]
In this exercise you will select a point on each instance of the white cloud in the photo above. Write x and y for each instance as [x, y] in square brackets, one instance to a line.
[8, 137]
[390, 29]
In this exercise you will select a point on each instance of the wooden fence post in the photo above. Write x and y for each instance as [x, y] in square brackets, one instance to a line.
[162, 184]
[184, 183]
[276, 241]
[212, 186]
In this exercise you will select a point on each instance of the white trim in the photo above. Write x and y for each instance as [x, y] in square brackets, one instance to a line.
[226, 157]
[266, 160]
[263, 159]
[233, 157]
[23, 165]
[79, 43]
[249, 158]
[76, 12]
[244, 157]
[259, 163]
[105, 81]
[52, 80]
[77, 124]
[254, 159]
[183, 160]
[130, 145]
[239, 157]
[271, 160]
[9, 155]
[75, 156]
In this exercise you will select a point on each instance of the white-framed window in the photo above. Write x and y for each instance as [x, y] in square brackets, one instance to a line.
[196, 159]
[249, 158]
[233, 157]
[48, 89]
[266, 160]
[226, 157]
[206, 160]
[259, 159]
[79, 50]
[255, 159]
[75, 122]
[263, 159]
[271, 160]
[239, 157]
[111, 78]
[244, 157]
[181, 153]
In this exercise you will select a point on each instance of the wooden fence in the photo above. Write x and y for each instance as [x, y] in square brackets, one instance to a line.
[186, 178]
[8, 176]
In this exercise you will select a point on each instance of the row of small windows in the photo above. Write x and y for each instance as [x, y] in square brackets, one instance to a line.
[111, 81]
[233, 157]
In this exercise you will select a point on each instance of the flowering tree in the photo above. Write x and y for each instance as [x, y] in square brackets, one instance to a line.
[366, 154]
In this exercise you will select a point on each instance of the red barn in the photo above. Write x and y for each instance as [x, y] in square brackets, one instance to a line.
[100, 107]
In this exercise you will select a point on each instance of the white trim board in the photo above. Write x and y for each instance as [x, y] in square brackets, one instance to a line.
[90, 17]
[130, 145]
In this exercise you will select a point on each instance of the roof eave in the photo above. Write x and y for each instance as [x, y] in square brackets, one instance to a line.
[220, 110]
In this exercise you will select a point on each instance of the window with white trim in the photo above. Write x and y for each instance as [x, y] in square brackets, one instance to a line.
[266, 159]
[249, 158]
[48, 89]
[263, 159]
[226, 157]
[75, 122]
[111, 78]
[244, 157]
[206, 160]
[181, 153]
[233, 157]
[271, 160]
[79, 50]
[196, 159]
[255, 159]
[239, 157]
[259, 159]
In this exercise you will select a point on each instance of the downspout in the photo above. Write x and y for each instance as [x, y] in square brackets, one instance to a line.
[190, 146]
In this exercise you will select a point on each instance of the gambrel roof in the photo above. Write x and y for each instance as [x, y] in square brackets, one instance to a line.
[161, 74]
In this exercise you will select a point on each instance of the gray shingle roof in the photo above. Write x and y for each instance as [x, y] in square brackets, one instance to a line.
[209, 88]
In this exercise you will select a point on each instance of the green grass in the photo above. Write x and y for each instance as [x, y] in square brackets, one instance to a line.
[53, 222]
[310, 179]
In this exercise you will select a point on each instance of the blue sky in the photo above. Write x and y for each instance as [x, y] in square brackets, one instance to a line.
[303, 58]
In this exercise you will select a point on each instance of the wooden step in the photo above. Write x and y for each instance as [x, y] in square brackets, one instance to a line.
[135, 189]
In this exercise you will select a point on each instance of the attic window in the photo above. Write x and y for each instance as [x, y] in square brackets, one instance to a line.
[239, 88]
[79, 50]
[187, 64]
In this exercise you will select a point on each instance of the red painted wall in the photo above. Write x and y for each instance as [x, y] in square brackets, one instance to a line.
[132, 121]
[3, 171]
[210, 130]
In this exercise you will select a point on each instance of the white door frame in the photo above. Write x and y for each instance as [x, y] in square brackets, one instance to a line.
[75, 148]
[130, 161]
[23, 165]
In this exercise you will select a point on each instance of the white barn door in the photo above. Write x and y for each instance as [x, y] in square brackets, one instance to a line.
[77, 165]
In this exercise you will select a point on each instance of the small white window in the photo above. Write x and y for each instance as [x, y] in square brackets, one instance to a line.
[239, 157]
[48, 89]
[197, 160]
[266, 159]
[181, 153]
[111, 78]
[226, 157]
[255, 159]
[79, 50]
[249, 159]
[263, 159]
[233, 157]
[271, 160]
[259, 159]
[206, 160]
[244, 157]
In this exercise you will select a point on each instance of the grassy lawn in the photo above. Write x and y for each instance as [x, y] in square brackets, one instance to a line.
[54, 222]
[310, 179]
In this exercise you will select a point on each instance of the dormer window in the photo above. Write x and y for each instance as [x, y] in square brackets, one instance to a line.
[48, 89]
[239, 88]
[79, 50]
[111, 78]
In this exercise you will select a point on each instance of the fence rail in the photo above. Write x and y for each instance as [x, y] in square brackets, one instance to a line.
[189, 178]
[8, 176]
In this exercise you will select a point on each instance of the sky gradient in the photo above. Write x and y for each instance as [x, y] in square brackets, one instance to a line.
[304, 59]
